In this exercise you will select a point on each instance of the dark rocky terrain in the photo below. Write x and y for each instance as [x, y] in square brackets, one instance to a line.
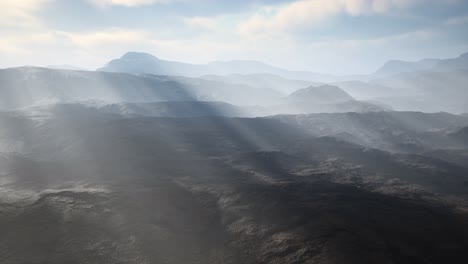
[79, 185]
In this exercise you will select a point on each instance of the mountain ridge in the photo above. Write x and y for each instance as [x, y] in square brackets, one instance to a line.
[148, 63]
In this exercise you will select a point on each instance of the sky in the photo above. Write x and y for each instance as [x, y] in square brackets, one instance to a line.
[326, 36]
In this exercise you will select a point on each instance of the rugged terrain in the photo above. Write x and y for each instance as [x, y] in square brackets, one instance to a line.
[79, 185]
[126, 165]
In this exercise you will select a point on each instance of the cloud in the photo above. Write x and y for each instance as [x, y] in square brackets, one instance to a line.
[129, 3]
[306, 13]
[457, 20]
[206, 23]
[103, 38]
[15, 13]
[49, 46]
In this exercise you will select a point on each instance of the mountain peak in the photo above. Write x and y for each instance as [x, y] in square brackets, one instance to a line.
[133, 55]
[133, 62]
[324, 93]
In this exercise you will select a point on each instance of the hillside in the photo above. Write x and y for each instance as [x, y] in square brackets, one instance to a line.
[219, 189]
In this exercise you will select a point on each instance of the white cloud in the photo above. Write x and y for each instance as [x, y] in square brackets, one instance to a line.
[47, 46]
[207, 23]
[130, 3]
[105, 37]
[19, 13]
[306, 13]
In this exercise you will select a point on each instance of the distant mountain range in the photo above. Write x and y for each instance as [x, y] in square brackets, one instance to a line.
[170, 95]
[144, 63]
[461, 62]
[141, 63]
[146, 166]
[66, 67]
[27, 86]
[397, 66]
[427, 91]
[270, 81]
[428, 85]
[394, 67]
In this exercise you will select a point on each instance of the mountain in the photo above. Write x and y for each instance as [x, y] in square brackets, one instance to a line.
[320, 94]
[385, 130]
[395, 67]
[428, 85]
[427, 91]
[66, 67]
[84, 186]
[275, 82]
[27, 86]
[461, 136]
[153, 95]
[140, 63]
[461, 62]
[364, 90]
[398, 66]
[322, 99]
[179, 109]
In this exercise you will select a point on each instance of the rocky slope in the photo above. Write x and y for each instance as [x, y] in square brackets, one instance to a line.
[92, 187]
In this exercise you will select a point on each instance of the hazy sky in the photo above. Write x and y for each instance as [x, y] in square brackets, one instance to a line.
[330, 36]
